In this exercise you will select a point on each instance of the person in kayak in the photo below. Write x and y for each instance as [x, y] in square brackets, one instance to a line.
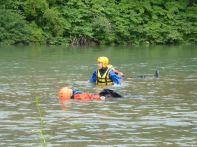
[106, 74]
[65, 94]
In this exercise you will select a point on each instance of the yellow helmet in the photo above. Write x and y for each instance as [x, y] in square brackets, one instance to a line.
[103, 60]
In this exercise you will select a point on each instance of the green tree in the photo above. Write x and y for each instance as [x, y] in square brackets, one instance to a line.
[81, 22]
[13, 28]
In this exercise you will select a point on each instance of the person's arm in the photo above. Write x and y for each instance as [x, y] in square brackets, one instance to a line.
[93, 77]
[115, 78]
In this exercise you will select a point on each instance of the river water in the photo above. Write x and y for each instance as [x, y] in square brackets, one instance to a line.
[154, 112]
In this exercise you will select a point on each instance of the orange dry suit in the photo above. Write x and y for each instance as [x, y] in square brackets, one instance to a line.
[79, 95]
[87, 97]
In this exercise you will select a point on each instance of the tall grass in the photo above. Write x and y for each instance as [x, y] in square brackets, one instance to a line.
[42, 123]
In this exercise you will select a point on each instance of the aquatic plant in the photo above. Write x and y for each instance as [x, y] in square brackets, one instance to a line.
[42, 123]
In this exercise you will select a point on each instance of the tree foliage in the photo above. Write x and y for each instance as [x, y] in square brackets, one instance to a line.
[13, 28]
[82, 22]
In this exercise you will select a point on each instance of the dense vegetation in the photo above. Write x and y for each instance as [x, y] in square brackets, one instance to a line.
[81, 22]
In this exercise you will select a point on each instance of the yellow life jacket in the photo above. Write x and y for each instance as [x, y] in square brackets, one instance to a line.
[104, 79]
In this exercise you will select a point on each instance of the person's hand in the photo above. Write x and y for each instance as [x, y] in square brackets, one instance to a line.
[102, 98]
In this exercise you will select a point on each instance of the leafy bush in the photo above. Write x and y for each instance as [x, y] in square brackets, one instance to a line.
[82, 22]
[13, 28]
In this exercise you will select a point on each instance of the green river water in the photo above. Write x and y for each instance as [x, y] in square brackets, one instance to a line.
[154, 112]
